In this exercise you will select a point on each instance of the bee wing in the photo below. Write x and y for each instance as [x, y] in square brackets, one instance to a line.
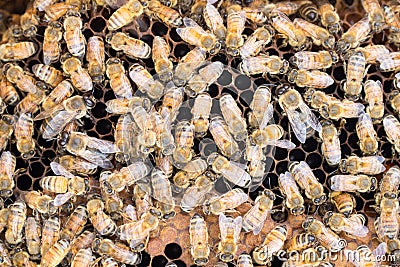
[236, 175]
[380, 250]
[238, 221]
[131, 213]
[268, 114]
[389, 65]
[222, 220]
[102, 145]
[7, 159]
[97, 158]
[188, 22]
[366, 120]
[283, 16]
[60, 199]
[47, 113]
[314, 122]
[298, 126]
[282, 143]
[343, 183]
[213, 15]
[360, 230]
[377, 158]
[58, 169]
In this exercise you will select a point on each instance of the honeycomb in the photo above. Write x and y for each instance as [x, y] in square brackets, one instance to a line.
[170, 241]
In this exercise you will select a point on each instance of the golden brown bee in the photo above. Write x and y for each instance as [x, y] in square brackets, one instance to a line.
[77, 165]
[330, 146]
[392, 19]
[367, 135]
[84, 257]
[201, 112]
[233, 117]
[162, 127]
[368, 165]
[145, 81]
[256, 41]
[326, 237]
[207, 76]
[118, 251]
[394, 100]
[142, 198]
[256, 166]
[194, 195]
[123, 135]
[119, 82]
[125, 15]
[29, 21]
[355, 72]
[169, 16]
[254, 218]
[62, 91]
[244, 260]
[329, 17]
[133, 48]
[16, 222]
[39, 202]
[16, 75]
[96, 58]
[48, 74]
[392, 126]
[288, 187]
[353, 183]
[314, 60]
[270, 136]
[30, 103]
[200, 249]
[375, 14]
[373, 53]
[255, 15]
[50, 234]
[356, 34]
[83, 241]
[162, 192]
[353, 225]
[312, 78]
[335, 109]
[389, 184]
[17, 51]
[75, 223]
[302, 241]
[387, 225]
[230, 231]
[222, 138]
[318, 99]
[32, 236]
[55, 11]
[187, 65]
[318, 35]
[308, 11]
[190, 172]
[73, 35]
[194, 34]
[228, 201]
[7, 169]
[261, 107]
[21, 259]
[79, 76]
[214, 21]
[344, 202]
[162, 64]
[24, 135]
[7, 124]
[108, 261]
[236, 21]
[184, 138]
[56, 253]
[263, 64]
[123, 106]
[146, 134]
[271, 245]
[51, 43]
[8, 93]
[100, 220]
[306, 179]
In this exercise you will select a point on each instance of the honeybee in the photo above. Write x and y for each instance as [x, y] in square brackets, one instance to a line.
[201, 112]
[119, 82]
[292, 34]
[164, 138]
[41, 5]
[50, 234]
[329, 17]
[7, 169]
[171, 102]
[291, 101]
[80, 78]
[17, 51]
[263, 64]
[356, 34]
[194, 195]
[39, 202]
[137, 232]
[344, 202]
[318, 35]
[355, 72]
[261, 107]
[194, 34]
[271, 245]
[310, 78]
[75, 223]
[123, 106]
[394, 99]
[118, 251]
[51, 42]
[214, 21]
[228, 201]
[142, 198]
[162, 192]
[375, 14]
[147, 135]
[256, 166]
[8, 93]
[367, 135]
[288, 187]
[123, 134]
[162, 64]
[387, 225]
[392, 126]
[108, 261]
[20, 259]
[230, 231]
[269, 136]
[374, 52]
[223, 139]
[24, 135]
[314, 60]
[62, 91]
[391, 18]
[233, 117]
[99, 219]
[254, 219]
[184, 138]
[96, 57]
[83, 241]
[330, 147]
[73, 35]
[133, 48]
[84, 257]
[125, 15]
[326, 237]
[32, 236]
[255, 15]
[192, 170]
[56, 253]
[318, 99]
[55, 11]
[207, 76]
[7, 124]
[16, 75]
[302, 241]
[169, 16]
[145, 81]
[306, 179]
[244, 260]
[236, 21]
[29, 21]
[200, 249]
[336, 109]
[353, 183]
[353, 225]
[48, 74]
[256, 41]
[77, 165]
[368, 165]
[16, 222]
[389, 184]
[126, 176]
[188, 64]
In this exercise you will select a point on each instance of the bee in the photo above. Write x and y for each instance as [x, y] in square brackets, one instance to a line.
[77, 165]
[356, 34]
[367, 135]
[119, 82]
[7, 124]
[32, 236]
[142, 199]
[306, 179]
[373, 53]
[29, 22]
[96, 58]
[389, 184]
[353, 225]
[123, 106]
[368, 165]
[184, 138]
[302, 241]
[8, 93]
[125, 15]
[269, 136]
[200, 249]
[39, 202]
[353, 183]
[394, 100]
[228, 201]
[288, 187]
[113, 202]
[56, 253]
[41, 5]
[24, 135]
[230, 231]
[256, 41]
[5, 255]
[236, 21]
[48, 74]
[291, 33]
[318, 35]
[325, 236]
[214, 21]
[392, 126]
[16, 222]
[317, 99]
[335, 109]
[254, 219]
[17, 51]
[207, 76]
[330, 147]
[55, 11]
[344, 202]
[4, 214]
[314, 60]
[7, 169]
[79, 76]
[62, 91]
[194, 34]
[164, 138]
[355, 72]
[83, 241]
[170, 3]
[329, 17]
[387, 225]
[255, 15]
[123, 135]
[308, 11]
[244, 260]
[147, 135]
[118, 251]
[191, 171]
[310, 78]
[167, 15]
[108, 261]
[75, 223]
[233, 117]
[201, 112]
[16, 75]
[195, 195]
[21, 259]
[256, 166]
[73, 35]
[391, 18]
[99, 219]
[137, 232]
[291, 101]
[187, 65]
[271, 245]
[133, 48]
[223, 139]
[145, 82]
[263, 65]
[261, 107]
[51, 42]
[171, 102]
[375, 14]
[84, 257]
[162, 192]
[50, 234]
[162, 64]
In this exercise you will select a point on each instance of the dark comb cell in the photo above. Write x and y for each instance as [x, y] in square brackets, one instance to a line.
[173, 251]
[159, 261]
[24, 182]
[98, 24]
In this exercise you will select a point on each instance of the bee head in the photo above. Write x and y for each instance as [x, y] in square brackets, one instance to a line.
[64, 137]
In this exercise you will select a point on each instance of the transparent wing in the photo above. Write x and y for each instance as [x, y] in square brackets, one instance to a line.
[343, 183]
[47, 113]
[298, 126]
[268, 114]
[60, 199]
[360, 230]
[236, 175]
[97, 158]
[8, 165]
[102, 145]
[314, 122]
[188, 22]
[238, 221]
[58, 169]
[282, 143]
[223, 221]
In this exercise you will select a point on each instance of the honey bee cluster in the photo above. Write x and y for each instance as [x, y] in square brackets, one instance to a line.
[200, 133]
